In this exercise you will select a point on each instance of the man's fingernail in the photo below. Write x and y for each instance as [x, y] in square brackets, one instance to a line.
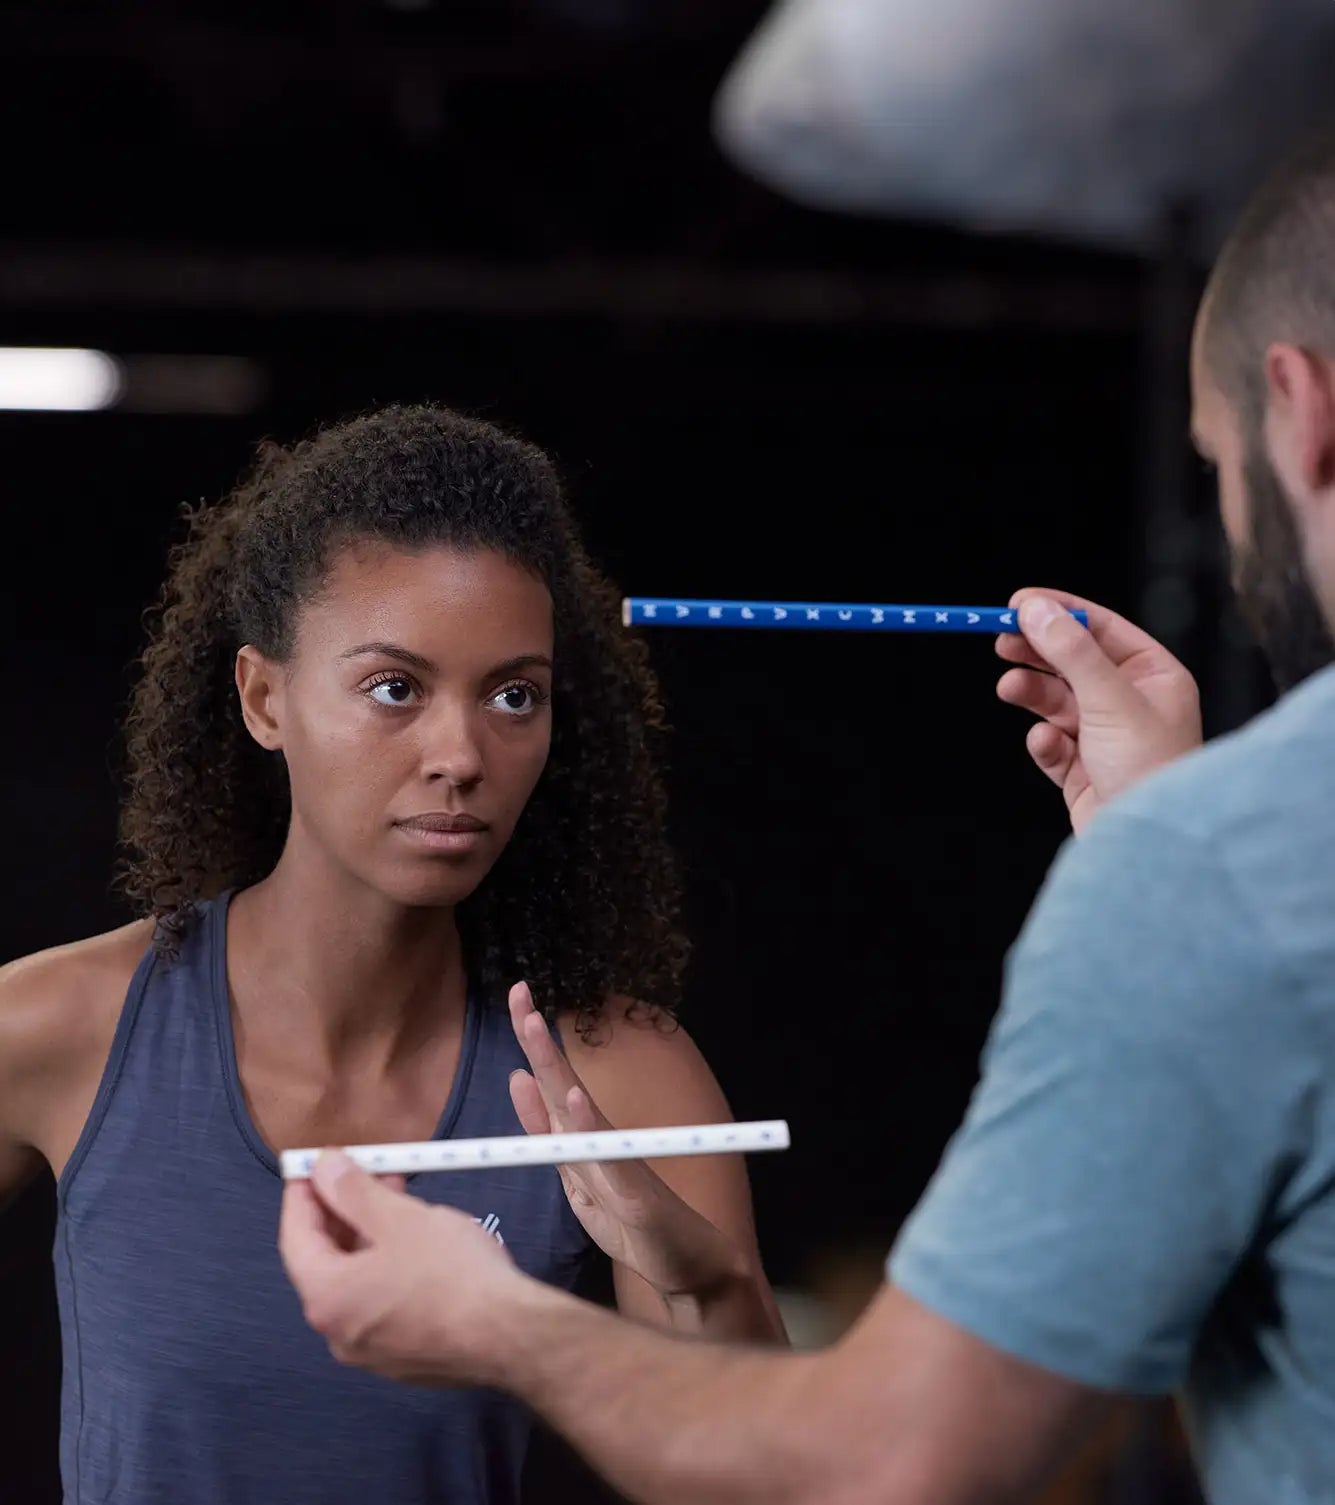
[333, 1165]
[1039, 612]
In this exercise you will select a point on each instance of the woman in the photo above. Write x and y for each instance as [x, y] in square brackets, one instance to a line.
[389, 755]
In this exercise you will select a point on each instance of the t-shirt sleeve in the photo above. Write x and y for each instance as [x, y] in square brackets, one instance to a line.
[1142, 1097]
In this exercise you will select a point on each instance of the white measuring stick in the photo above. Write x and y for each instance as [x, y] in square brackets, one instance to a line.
[551, 1149]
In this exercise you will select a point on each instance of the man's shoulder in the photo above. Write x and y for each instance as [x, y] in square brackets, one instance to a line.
[1208, 884]
[1272, 780]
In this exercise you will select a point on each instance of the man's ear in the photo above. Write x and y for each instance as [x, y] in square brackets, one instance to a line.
[1300, 423]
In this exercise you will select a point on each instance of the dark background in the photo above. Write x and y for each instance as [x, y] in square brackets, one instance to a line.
[517, 209]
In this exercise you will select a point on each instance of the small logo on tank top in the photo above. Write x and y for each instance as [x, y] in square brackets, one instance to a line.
[491, 1224]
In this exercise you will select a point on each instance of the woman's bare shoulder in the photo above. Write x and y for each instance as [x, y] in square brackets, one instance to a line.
[58, 1005]
[642, 1067]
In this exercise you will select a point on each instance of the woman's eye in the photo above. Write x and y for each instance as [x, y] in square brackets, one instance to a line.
[394, 691]
[518, 700]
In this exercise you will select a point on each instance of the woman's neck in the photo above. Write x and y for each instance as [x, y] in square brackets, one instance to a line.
[327, 970]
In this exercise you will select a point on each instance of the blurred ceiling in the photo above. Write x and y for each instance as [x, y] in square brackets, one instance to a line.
[381, 156]
[488, 125]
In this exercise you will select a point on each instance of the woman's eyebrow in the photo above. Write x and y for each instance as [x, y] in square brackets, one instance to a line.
[391, 650]
[425, 665]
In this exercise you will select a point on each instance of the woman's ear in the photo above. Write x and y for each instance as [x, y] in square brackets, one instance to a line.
[259, 685]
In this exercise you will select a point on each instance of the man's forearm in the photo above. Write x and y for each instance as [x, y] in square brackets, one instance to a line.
[664, 1419]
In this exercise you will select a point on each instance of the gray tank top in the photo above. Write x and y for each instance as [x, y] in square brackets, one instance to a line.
[190, 1377]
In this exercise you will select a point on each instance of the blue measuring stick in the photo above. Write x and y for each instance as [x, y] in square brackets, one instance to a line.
[668, 611]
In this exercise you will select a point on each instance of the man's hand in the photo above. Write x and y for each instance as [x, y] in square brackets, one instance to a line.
[1115, 704]
[413, 1292]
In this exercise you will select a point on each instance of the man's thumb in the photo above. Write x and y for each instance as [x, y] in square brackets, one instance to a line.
[352, 1195]
[1074, 653]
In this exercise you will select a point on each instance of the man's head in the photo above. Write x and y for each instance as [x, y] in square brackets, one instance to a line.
[1263, 382]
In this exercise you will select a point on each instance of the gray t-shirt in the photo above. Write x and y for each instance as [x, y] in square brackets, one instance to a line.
[1142, 1196]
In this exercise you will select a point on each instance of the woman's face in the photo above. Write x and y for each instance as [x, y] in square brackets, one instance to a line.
[414, 714]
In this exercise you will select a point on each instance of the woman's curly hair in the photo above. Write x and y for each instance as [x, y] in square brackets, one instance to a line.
[584, 902]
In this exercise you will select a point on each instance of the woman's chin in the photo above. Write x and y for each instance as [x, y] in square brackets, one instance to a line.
[437, 885]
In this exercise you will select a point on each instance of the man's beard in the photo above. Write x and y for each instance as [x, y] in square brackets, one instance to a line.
[1274, 593]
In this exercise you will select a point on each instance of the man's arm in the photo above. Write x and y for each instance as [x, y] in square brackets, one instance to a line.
[907, 1410]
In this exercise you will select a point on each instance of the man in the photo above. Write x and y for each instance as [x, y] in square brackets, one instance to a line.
[1142, 1197]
